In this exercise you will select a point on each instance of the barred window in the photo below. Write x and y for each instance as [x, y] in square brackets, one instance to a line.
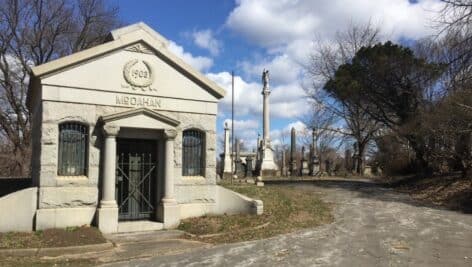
[73, 139]
[193, 143]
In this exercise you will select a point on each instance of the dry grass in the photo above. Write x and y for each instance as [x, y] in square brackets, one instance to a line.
[285, 210]
[72, 236]
[449, 191]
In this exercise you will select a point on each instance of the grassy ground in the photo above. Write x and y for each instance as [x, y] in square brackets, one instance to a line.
[72, 236]
[285, 210]
[449, 191]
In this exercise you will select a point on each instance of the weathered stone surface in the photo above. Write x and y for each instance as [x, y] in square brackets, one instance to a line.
[56, 112]
[48, 174]
[64, 217]
[49, 154]
[195, 193]
[50, 133]
[67, 197]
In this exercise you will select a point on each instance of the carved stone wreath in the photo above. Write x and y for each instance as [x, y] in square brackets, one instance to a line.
[138, 73]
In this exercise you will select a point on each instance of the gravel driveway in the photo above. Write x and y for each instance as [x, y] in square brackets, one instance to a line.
[373, 226]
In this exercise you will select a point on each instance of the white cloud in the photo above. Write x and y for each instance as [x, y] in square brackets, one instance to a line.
[243, 124]
[286, 30]
[283, 69]
[272, 23]
[286, 101]
[246, 131]
[282, 136]
[198, 62]
[247, 96]
[206, 40]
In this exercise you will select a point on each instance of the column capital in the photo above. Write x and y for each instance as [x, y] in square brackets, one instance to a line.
[170, 133]
[111, 130]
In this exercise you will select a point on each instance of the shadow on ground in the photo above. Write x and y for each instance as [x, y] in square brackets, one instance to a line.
[387, 192]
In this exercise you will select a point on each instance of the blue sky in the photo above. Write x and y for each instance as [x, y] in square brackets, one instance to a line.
[245, 36]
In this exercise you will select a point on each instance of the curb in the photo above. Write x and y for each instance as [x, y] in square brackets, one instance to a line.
[57, 251]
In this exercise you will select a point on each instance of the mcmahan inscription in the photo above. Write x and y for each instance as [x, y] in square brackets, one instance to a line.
[139, 101]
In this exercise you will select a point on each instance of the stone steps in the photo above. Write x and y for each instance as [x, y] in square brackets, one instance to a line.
[139, 226]
[145, 236]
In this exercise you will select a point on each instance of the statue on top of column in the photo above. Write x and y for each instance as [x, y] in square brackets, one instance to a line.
[265, 78]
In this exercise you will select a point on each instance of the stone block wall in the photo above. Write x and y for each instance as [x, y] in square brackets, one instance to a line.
[57, 194]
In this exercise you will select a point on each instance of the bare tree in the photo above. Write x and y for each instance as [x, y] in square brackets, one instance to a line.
[324, 61]
[33, 32]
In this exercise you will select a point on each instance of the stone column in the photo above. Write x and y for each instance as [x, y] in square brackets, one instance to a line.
[108, 211]
[169, 167]
[268, 166]
[227, 157]
[169, 209]
[266, 112]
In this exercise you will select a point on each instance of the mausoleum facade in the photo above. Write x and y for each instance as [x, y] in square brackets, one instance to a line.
[123, 132]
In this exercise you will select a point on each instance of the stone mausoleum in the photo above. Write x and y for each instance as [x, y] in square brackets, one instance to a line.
[124, 137]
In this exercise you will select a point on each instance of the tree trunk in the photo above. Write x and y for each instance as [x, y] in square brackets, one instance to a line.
[360, 158]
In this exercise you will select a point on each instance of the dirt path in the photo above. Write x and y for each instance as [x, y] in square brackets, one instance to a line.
[373, 226]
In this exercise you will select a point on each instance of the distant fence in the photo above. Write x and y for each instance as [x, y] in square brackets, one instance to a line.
[11, 184]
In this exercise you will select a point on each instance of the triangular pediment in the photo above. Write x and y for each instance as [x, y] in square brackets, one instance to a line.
[137, 38]
[140, 118]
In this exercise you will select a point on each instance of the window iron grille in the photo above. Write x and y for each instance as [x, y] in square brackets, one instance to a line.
[193, 158]
[73, 138]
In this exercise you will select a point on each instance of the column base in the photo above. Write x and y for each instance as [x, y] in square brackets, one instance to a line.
[108, 219]
[170, 214]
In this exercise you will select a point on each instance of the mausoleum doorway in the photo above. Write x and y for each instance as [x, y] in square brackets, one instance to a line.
[136, 178]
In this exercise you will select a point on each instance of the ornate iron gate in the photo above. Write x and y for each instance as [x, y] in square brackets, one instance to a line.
[136, 169]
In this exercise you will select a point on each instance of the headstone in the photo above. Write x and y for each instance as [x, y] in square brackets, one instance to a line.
[249, 160]
[239, 169]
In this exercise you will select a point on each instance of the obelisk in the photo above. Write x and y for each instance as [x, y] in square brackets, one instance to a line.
[268, 166]
[227, 156]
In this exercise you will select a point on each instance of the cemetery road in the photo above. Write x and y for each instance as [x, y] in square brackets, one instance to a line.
[374, 226]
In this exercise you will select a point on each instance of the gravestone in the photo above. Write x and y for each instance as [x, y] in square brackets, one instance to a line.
[238, 163]
[249, 165]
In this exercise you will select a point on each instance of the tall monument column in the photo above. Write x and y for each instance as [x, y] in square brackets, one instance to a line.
[265, 111]
[268, 166]
[227, 156]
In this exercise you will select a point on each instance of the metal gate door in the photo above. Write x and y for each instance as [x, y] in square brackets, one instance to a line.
[136, 169]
